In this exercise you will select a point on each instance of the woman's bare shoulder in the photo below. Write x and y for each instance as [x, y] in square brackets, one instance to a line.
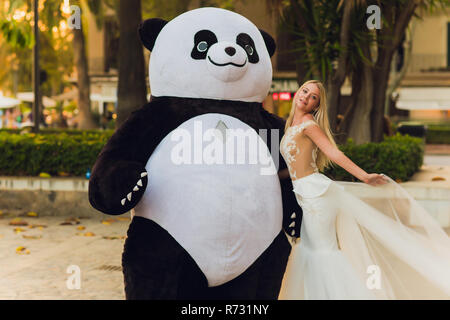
[307, 117]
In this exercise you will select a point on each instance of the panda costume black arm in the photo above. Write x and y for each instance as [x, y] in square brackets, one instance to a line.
[119, 178]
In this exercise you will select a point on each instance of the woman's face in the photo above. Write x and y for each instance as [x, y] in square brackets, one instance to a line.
[307, 98]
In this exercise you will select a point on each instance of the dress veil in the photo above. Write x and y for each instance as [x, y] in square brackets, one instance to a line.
[392, 242]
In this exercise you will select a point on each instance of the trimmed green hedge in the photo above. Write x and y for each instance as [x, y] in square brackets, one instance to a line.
[56, 154]
[398, 156]
[72, 154]
[58, 131]
[437, 134]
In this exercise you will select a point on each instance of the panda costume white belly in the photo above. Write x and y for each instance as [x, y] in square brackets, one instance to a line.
[240, 212]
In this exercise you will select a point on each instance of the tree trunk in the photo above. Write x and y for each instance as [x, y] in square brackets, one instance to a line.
[132, 91]
[390, 39]
[360, 128]
[340, 74]
[349, 113]
[85, 119]
[381, 78]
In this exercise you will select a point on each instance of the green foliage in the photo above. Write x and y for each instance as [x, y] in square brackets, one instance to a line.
[438, 134]
[17, 35]
[74, 151]
[71, 152]
[17, 40]
[316, 38]
[169, 9]
[399, 157]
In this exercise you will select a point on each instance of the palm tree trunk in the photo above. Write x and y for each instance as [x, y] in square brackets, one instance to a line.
[360, 127]
[338, 78]
[85, 118]
[132, 91]
[390, 40]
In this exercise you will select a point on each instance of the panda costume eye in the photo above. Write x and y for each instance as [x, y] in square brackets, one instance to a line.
[203, 40]
[202, 46]
[249, 49]
[246, 42]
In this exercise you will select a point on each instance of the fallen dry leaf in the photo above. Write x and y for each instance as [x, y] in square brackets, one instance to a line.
[19, 230]
[89, 234]
[81, 227]
[70, 222]
[31, 237]
[40, 226]
[438, 179]
[22, 250]
[18, 222]
[109, 221]
[32, 214]
[114, 237]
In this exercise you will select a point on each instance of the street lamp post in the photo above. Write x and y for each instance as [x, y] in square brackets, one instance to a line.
[36, 80]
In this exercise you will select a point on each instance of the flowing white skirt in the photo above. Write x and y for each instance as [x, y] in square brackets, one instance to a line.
[380, 244]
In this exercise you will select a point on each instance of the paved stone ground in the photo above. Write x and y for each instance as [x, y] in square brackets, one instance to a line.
[41, 271]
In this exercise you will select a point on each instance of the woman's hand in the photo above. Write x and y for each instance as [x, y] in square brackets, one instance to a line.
[375, 179]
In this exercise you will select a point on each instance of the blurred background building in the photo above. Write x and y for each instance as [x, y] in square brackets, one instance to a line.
[423, 92]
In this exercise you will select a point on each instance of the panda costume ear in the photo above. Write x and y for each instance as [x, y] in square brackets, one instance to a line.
[270, 42]
[149, 30]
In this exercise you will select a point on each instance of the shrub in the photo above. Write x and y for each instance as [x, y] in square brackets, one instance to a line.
[73, 153]
[30, 154]
[399, 157]
[437, 134]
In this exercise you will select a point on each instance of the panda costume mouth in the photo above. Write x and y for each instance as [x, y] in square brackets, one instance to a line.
[227, 63]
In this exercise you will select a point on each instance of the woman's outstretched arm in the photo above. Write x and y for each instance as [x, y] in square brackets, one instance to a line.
[318, 136]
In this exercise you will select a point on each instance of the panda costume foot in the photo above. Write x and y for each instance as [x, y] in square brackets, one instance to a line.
[201, 229]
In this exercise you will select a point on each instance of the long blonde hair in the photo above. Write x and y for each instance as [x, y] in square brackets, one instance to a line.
[321, 117]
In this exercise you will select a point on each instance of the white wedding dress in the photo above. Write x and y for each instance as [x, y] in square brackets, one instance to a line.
[380, 244]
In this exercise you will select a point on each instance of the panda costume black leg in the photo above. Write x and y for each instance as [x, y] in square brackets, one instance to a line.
[206, 225]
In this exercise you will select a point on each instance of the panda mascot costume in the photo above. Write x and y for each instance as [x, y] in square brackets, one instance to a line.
[210, 213]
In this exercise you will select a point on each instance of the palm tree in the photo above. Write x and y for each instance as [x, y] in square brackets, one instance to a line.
[333, 43]
[132, 90]
[85, 117]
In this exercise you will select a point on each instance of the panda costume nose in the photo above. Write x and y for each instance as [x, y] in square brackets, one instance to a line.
[230, 51]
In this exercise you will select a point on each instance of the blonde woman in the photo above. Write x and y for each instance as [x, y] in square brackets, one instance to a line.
[379, 244]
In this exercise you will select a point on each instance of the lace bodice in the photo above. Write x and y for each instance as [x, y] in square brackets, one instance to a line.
[299, 152]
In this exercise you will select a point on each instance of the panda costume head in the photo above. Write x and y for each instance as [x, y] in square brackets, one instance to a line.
[225, 55]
